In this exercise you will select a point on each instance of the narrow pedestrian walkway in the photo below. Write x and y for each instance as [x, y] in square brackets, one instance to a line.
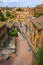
[24, 56]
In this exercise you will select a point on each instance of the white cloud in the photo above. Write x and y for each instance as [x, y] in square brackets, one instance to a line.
[10, 0]
[26, 2]
[15, 0]
[21, 1]
[3, 0]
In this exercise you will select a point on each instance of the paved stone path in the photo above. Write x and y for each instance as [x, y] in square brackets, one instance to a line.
[24, 56]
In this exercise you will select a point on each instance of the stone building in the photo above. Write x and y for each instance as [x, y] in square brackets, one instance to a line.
[3, 33]
[38, 9]
[36, 31]
[31, 12]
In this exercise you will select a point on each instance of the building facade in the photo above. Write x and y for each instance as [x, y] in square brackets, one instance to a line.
[3, 34]
[36, 31]
[31, 12]
[38, 9]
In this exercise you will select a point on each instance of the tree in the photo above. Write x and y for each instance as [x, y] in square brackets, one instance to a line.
[27, 6]
[19, 9]
[36, 14]
[40, 54]
[40, 14]
[8, 14]
[14, 33]
[1, 16]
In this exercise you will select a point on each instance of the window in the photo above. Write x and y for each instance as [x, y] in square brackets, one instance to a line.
[39, 32]
[0, 38]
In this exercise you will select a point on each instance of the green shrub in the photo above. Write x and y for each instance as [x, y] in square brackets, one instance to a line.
[36, 14]
[14, 33]
[40, 54]
[19, 9]
[1, 16]
[8, 14]
[12, 16]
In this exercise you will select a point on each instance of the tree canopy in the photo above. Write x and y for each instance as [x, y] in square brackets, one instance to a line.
[40, 54]
[1, 16]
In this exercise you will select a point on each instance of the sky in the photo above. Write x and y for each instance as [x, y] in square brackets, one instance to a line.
[20, 3]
